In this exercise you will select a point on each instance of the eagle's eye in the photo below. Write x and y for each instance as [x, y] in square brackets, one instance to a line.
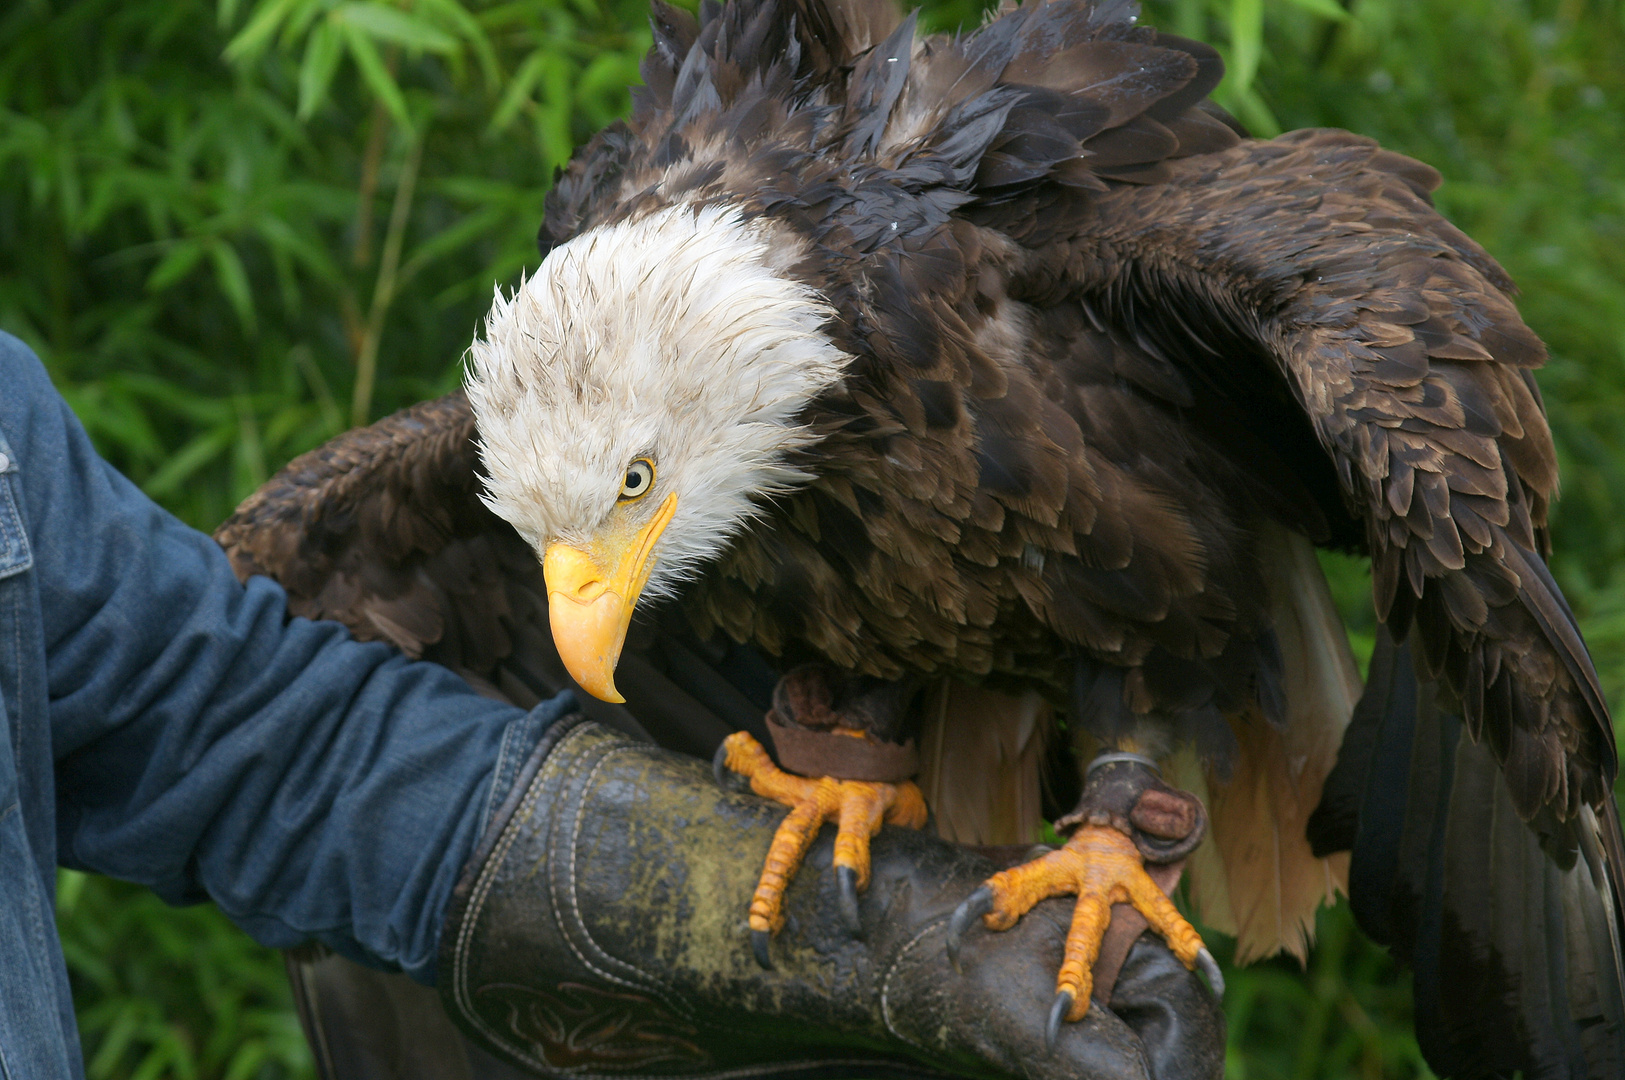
[640, 477]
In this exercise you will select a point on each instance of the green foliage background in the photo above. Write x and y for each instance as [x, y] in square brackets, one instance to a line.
[234, 228]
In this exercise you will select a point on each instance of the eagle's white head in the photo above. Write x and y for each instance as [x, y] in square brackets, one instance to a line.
[637, 400]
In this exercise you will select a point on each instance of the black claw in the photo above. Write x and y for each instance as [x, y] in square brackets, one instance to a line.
[1057, 1013]
[1210, 968]
[759, 941]
[846, 882]
[726, 778]
[976, 905]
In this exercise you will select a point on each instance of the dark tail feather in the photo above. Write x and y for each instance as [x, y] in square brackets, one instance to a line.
[1513, 929]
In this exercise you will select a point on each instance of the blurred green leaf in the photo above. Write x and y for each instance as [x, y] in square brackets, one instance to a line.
[1246, 42]
[453, 14]
[233, 282]
[323, 50]
[517, 93]
[187, 460]
[394, 25]
[376, 72]
[173, 992]
[180, 260]
[1326, 9]
[267, 19]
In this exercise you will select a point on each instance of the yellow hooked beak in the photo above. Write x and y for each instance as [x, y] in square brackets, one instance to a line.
[590, 597]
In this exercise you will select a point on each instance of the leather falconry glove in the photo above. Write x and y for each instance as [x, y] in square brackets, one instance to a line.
[597, 932]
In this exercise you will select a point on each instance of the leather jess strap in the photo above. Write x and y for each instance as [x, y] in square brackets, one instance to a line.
[844, 756]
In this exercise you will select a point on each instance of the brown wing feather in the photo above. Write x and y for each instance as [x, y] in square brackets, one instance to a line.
[382, 529]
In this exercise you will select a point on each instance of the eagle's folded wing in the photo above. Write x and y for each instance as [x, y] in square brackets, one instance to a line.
[1313, 270]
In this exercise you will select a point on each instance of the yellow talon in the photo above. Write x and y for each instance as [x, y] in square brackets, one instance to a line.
[858, 807]
[1102, 867]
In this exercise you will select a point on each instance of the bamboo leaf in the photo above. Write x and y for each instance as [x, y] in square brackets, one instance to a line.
[70, 885]
[308, 250]
[454, 13]
[246, 1062]
[189, 459]
[376, 74]
[396, 27]
[1246, 42]
[455, 238]
[119, 1034]
[232, 278]
[249, 450]
[1256, 114]
[1326, 9]
[323, 50]
[517, 92]
[166, 1058]
[203, 409]
[602, 90]
[253, 39]
[299, 22]
[553, 117]
[175, 265]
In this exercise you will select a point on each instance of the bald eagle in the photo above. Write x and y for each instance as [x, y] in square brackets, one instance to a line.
[1005, 380]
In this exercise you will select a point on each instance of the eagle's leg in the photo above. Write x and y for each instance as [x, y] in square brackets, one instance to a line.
[1125, 819]
[852, 775]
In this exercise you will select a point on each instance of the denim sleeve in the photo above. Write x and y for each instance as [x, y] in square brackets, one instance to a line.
[206, 746]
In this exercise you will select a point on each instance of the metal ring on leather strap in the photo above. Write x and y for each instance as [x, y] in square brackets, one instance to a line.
[1113, 757]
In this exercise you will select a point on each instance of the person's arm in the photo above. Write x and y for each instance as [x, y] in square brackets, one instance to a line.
[207, 746]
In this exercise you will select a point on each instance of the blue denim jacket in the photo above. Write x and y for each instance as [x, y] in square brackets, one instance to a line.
[163, 724]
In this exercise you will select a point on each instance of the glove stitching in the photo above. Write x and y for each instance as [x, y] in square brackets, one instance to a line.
[669, 995]
[566, 776]
[573, 785]
[476, 904]
[891, 969]
[658, 985]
